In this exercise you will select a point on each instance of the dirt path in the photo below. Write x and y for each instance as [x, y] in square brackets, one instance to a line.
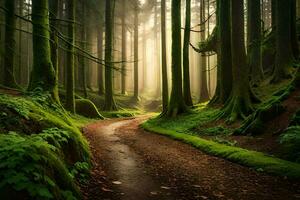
[132, 164]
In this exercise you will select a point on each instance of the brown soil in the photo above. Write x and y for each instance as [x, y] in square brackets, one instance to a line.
[132, 164]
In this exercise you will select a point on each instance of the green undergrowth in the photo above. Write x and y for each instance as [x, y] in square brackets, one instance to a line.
[42, 151]
[186, 122]
[253, 159]
[121, 113]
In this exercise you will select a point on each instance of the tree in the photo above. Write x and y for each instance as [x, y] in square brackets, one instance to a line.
[124, 49]
[254, 41]
[136, 52]
[10, 45]
[70, 96]
[165, 92]
[100, 56]
[109, 99]
[284, 53]
[239, 105]
[204, 95]
[43, 74]
[53, 8]
[176, 104]
[186, 64]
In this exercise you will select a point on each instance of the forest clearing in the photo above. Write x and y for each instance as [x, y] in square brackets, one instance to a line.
[149, 99]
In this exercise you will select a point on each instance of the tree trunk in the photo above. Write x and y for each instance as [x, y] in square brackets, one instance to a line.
[204, 95]
[294, 40]
[186, 63]
[239, 105]
[70, 96]
[43, 74]
[176, 104]
[254, 41]
[136, 55]
[124, 49]
[100, 56]
[109, 100]
[284, 53]
[53, 14]
[10, 45]
[165, 90]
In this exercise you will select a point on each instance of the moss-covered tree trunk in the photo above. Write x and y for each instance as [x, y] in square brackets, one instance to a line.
[186, 60]
[254, 41]
[43, 74]
[70, 93]
[239, 105]
[53, 8]
[165, 89]
[176, 104]
[10, 45]
[100, 56]
[284, 53]
[124, 49]
[109, 99]
[136, 53]
[204, 95]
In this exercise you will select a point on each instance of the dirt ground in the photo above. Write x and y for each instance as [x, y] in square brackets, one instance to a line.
[132, 164]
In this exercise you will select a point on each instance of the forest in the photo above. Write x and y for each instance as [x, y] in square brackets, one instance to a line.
[149, 99]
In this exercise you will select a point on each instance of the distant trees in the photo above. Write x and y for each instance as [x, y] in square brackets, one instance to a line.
[124, 50]
[136, 51]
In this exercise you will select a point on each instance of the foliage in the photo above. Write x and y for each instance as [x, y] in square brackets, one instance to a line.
[31, 165]
[256, 160]
[87, 108]
[290, 140]
[38, 159]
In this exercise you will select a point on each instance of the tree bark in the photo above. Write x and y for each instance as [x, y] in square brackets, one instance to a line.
[10, 45]
[186, 63]
[165, 89]
[124, 49]
[176, 104]
[109, 99]
[100, 56]
[70, 96]
[136, 54]
[254, 41]
[43, 74]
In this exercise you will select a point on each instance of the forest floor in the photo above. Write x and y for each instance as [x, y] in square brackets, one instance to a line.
[132, 164]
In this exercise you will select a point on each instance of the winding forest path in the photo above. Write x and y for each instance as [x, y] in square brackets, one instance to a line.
[132, 164]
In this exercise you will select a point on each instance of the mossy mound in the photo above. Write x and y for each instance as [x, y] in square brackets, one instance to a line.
[39, 149]
[87, 108]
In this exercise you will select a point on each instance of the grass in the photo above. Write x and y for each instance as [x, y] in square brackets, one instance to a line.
[253, 159]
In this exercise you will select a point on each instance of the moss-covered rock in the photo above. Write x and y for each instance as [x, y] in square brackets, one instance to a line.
[87, 108]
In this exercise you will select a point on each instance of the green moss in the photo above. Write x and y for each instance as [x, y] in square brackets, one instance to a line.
[290, 141]
[87, 108]
[120, 113]
[256, 160]
[55, 142]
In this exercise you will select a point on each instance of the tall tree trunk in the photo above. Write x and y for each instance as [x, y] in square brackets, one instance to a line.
[43, 74]
[165, 90]
[186, 63]
[254, 41]
[109, 99]
[239, 105]
[83, 46]
[10, 45]
[284, 53]
[204, 95]
[124, 49]
[294, 40]
[70, 96]
[100, 56]
[136, 55]
[176, 104]
[53, 8]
